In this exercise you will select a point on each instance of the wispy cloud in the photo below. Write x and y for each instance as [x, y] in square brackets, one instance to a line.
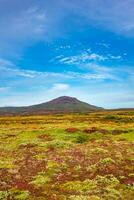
[116, 16]
[28, 24]
[6, 63]
[96, 72]
[115, 57]
[9, 68]
[63, 75]
[3, 89]
[103, 44]
[85, 58]
[82, 58]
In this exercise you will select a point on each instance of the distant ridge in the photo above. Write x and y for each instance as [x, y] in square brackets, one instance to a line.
[63, 104]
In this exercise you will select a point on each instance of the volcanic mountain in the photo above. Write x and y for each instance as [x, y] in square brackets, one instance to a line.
[62, 104]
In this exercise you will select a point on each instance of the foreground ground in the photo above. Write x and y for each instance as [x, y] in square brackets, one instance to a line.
[67, 157]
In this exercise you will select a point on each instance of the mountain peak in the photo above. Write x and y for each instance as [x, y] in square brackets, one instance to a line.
[64, 99]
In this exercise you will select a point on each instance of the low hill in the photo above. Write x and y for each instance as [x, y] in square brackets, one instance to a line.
[62, 104]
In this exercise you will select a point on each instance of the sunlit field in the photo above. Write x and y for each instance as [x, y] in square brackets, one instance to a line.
[67, 157]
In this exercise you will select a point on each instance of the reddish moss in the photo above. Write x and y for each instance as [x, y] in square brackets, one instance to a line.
[90, 130]
[72, 130]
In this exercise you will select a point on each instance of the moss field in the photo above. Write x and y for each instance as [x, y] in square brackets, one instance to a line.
[67, 157]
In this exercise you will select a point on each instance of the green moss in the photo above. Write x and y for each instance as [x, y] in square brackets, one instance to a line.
[107, 181]
[40, 156]
[92, 168]
[131, 175]
[77, 186]
[24, 195]
[107, 161]
[3, 195]
[6, 163]
[111, 194]
[14, 194]
[41, 180]
[58, 144]
[83, 197]
[128, 136]
[99, 150]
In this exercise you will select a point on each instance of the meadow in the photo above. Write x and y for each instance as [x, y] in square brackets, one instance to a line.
[67, 156]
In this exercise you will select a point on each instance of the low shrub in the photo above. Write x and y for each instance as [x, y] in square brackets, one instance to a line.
[110, 117]
[81, 139]
[117, 131]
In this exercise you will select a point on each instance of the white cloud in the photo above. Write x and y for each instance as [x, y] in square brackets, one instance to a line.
[60, 87]
[90, 71]
[104, 45]
[95, 57]
[5, 63]
[85, 58]
[82, 58]
[8, 69]
[115, 57]
[3, 89]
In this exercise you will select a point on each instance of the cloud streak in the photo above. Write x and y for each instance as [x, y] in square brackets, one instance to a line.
[85, 58]
[10, 70]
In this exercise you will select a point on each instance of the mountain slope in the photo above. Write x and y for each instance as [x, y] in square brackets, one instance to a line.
[62, 104]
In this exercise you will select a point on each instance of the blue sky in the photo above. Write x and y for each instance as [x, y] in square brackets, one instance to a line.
[67, 47]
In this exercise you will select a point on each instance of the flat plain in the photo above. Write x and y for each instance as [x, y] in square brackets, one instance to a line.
[67, 157]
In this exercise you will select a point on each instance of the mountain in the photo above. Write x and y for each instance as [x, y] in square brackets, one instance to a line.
[62, 104]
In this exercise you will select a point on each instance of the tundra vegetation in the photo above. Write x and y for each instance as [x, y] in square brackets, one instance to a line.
[67, 157]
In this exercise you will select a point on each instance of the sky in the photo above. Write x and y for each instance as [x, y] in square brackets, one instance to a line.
[52, 48]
